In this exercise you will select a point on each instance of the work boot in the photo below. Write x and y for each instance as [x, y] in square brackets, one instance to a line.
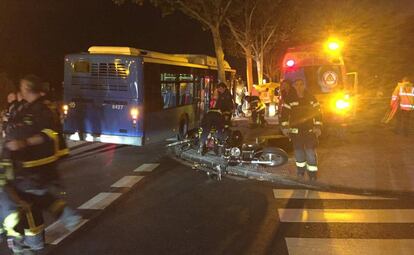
[17, 246]
[312, 176]
[35, 242]
[70, 219]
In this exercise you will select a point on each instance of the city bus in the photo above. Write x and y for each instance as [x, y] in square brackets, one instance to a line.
[125, 95]
[323, 71]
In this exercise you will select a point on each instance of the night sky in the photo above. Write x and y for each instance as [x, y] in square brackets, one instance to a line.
[36, 34]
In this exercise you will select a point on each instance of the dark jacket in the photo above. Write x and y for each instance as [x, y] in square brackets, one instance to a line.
[300, 114]
[225, 102]
[35, 119]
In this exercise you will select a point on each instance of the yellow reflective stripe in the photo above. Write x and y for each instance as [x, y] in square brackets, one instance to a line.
[312, 168]
[315, 104]
[317, 122]
[30, 219]
[54, 136]
[10, 222]
[287, 106]
[294, 103]
[34, 231]
[40, 162]
[63, 152]
[407, 105]
[300, 164]
[44, 161]
[285, 123]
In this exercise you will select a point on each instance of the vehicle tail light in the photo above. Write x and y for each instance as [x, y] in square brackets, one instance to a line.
[65, 109]
[134, 115]
[290, 63]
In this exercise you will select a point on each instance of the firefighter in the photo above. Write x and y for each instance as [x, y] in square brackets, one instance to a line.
[301, 121]
[213, 119]
[403, 100]
[34, 148]
[258, 111]
[225, 102]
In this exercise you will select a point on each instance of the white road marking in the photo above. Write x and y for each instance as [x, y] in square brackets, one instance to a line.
[100, 201]
[318, 246]
[311, 194]
[127, 181]
[56, 232]
[147, 167]
[347, 215]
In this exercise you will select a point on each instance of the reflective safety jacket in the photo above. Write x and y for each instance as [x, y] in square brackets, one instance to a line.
[300, 114]
[6, 171]
[404, 96]
[257, 105]
[36, 119]
[63, 149]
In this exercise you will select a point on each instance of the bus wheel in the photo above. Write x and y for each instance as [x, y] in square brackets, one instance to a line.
[183, 130]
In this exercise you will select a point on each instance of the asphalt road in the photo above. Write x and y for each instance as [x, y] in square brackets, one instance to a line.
[172, 209]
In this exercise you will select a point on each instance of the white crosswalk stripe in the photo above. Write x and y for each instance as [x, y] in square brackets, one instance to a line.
[100, 201]
[312, 194]
[127, 181]
[56, 232]
[328, 246]
[347, 215]
[298, 245]
[147, 167]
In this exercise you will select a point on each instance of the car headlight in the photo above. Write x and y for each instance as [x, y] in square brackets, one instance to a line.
[235, 152]
[342, 104]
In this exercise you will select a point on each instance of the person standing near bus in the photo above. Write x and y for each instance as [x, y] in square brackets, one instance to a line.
[225, 102]
[301, 121]
[403, 100]
[33, 145]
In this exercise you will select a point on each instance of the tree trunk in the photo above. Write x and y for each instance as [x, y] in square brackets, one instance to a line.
[218, 46]
[249, 70]
[259, 67]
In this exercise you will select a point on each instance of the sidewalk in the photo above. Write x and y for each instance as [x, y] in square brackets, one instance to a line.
[371, 158]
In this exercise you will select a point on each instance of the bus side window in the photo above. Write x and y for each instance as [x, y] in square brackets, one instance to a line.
[168, 94]
[168, 90]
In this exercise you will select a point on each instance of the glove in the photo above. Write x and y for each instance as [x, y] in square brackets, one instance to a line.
[317, 131]
[285, 131]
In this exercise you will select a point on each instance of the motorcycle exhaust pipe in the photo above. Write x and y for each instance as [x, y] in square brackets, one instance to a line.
[257, 161]
[178, 143]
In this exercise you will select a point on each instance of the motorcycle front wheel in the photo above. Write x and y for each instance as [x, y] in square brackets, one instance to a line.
[276, 156]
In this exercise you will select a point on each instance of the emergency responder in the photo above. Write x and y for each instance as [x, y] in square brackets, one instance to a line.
[34, 149]
[284, 90]
[258, 109]
[403, 100]
[225, 102]
[301, 121]
[213, 119]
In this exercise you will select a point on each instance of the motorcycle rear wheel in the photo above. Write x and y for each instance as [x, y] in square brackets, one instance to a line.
[278, 156]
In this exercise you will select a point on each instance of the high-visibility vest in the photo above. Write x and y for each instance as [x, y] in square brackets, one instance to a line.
[404, 94]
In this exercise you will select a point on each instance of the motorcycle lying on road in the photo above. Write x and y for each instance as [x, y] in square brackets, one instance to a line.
[234, 152]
